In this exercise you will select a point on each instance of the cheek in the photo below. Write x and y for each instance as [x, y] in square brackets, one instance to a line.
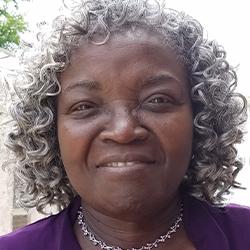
[179, 135]
[175, 137]
[175, 134]
[74, 142]
[75, 139]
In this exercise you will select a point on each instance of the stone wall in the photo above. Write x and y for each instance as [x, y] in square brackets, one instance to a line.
[6, 187]
[11, 217]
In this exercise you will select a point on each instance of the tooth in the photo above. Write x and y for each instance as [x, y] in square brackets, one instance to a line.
[121, 164]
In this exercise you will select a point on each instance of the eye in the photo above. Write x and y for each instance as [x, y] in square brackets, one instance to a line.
[158, 103]
[83, 109]
[159, 100]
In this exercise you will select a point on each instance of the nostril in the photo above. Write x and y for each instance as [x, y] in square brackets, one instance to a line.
[141, 133]
[124, 134]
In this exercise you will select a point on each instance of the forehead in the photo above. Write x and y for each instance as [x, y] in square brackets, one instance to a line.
[124, 55]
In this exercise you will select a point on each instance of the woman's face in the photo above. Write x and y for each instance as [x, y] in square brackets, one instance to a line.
[125, 124]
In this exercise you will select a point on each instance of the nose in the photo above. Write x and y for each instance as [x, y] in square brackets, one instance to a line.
[124, 127]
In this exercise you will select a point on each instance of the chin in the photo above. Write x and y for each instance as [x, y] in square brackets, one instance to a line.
[132, 208]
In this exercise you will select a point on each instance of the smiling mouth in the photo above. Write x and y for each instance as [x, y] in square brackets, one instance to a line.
[125, 164]
[121, 164]
[128, 160]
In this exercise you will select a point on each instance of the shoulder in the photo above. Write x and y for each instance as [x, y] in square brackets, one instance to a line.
[213, 227]
[37, 234]
[232, 215]
[54, 232]
[233, 219]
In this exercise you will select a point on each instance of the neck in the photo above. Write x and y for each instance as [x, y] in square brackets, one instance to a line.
[130, 233]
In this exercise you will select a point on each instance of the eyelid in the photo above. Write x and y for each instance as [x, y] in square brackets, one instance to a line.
[74, 107]
[159, 107]
[160, 95]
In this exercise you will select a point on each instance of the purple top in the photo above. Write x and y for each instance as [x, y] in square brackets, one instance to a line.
[209, 228]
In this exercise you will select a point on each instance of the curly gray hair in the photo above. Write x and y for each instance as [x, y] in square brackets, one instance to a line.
[217, 110]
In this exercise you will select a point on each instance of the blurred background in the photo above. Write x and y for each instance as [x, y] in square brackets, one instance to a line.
[225, 21]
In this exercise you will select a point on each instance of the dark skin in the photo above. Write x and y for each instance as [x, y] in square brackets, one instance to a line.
[125, 136]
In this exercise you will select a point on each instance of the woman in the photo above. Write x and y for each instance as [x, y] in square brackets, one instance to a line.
[127, 121]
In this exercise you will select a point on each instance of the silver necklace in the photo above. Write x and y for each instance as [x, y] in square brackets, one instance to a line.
[92, 238]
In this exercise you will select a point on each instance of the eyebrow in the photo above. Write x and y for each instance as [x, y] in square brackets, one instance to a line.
[86, 84]
[159, 78]
[94, 85]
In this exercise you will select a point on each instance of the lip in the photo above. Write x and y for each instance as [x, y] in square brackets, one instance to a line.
[128, 160]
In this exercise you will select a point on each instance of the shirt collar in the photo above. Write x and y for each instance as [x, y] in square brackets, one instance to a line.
[201, 227]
